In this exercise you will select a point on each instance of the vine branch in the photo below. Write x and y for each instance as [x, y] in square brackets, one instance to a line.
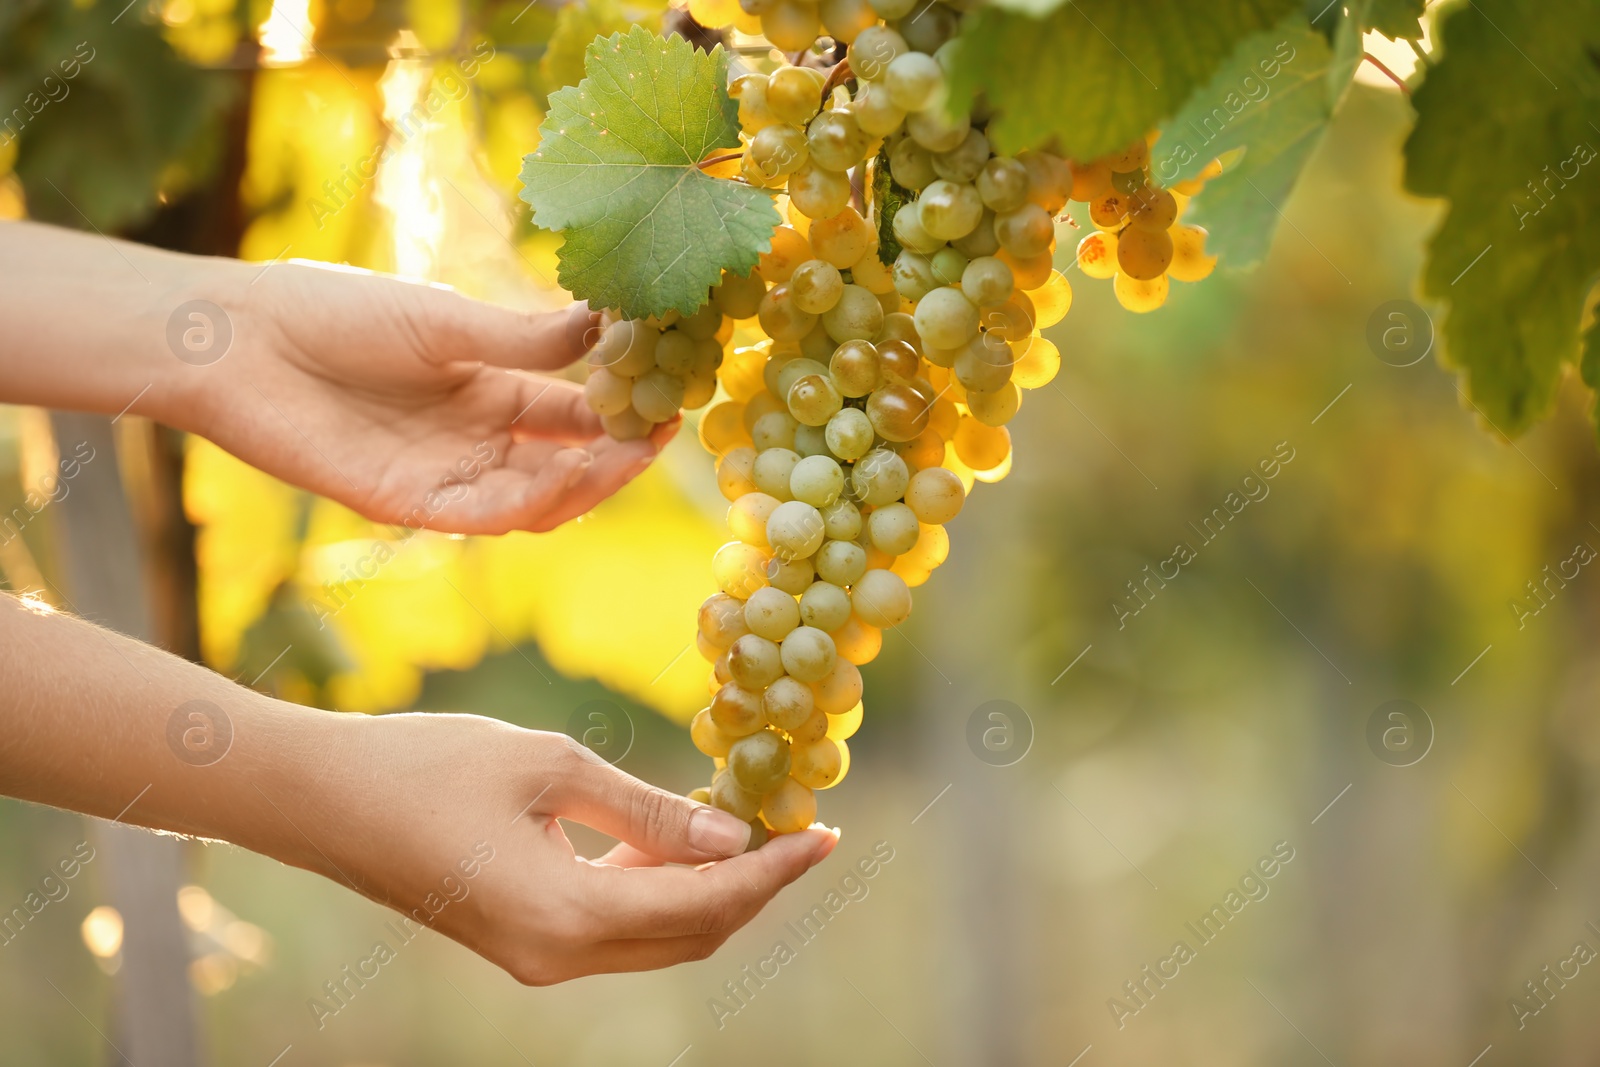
[1392, 76]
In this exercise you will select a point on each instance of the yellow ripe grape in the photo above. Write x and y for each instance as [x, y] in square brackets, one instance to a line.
[912, 575]
[741, 373]
[923, 451]
[1029, 273]
[714, 14]
[1180, 200]
[815, 728]
[736, 472]
[1189, 260]
[843, 239]
[790, 807]
[747, 518]
[932, 547]
[791, 27]
[1108, 212]
[840, 689]
[1152, 209]
[1143, 254]
[878, 559]
[873, 275]
[954, 465]
[801, 224]
[841, 727]
[857, 641]
[981, 447]
[943, 416]
[706, 736]
[1194, 185]
[995, 407]
[722, 428]
[1140, 296]
[1097, 255]
[1052, 300]
[1090, 181]
[739, 569]
[789, 250]
[1129, 159]
[816, 765]
[763, 403]
[1038, 364]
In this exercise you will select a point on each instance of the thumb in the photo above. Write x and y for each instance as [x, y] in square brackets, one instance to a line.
[461, 329]
[662, 824]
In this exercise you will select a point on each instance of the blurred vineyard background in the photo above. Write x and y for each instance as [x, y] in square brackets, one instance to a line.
[1169, 754]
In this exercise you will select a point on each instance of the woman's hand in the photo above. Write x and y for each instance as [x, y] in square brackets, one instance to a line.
[410, 404]
[452, 820]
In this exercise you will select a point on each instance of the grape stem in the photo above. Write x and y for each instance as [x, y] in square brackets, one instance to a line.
[704, 163]
[1392, 76]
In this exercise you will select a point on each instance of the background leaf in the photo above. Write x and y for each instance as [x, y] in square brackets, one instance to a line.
[1099, 73]
[1506, 133]
[646, 231]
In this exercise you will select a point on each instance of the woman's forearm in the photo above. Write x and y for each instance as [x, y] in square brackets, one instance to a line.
[96, 325]
[99, 723]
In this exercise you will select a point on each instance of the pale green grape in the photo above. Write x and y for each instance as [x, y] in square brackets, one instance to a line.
[795, 529]
[750, 90]
[703, 324]
[771, 613]
[721, 619]
[892, 529]
[948, 266]
[873, 50]
[1003, 184]
[836, 140]
[949, 210]
[984, 366]
[935, 495]
[626, 425]
[788, 704]
[911, 164]
[626, 348]
[987, 281]
[736, 711]
[946, 319]
[814, 287]
[981, 241]
[928, 26]
[963, 163]
[675, 352]
[933, 129]
[608, 393]
[811, 441]
[731, 797]
[755, 662]
[736, 472]
[795, 369]
[658, 395]
[825, 606]
[793, 576]
[881, 598]
[759, 761]
[913, 81]
[775, 429]
[889, 10]
[739, 569]
[911, 234]
[857, 315]
[770, 471]
[818, 481]
[794, 94]
[913, 275]
[747, 518]
[1025, 232]
[818, 193]
[813, 400]
[995, 407]
[841, 520]
[807, 653]
[880, 477]
[779, 150]
[875, 113]
[853, 368]
[840, 563]
[817, 346]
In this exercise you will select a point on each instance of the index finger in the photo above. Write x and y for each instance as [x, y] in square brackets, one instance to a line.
[716, 898]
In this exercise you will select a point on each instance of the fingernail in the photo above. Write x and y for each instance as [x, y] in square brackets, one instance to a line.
[717, 833]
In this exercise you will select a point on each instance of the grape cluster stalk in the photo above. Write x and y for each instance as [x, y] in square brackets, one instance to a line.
[875, 384]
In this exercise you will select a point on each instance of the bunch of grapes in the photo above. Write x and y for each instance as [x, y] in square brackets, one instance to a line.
[864, 371]
[1138, 241]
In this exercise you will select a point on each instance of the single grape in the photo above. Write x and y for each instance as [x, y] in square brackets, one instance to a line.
[1097, 255]
[793, 576]
[841, 520]
[790, 806]
[808, 653]
[736, 711]
[841, 689]
[873, 50]
[1108, 212]
[1003, 184]
[1038, 365]
[817, 192]
[913, 275]
[897, 412]
[738, 297]
[948, 265]
[963, 163]
[626, 425]
[981, 447]
[929, 25]
[747, 518]
[781, 318]
[771, 613]
[770, 471]
[858, 642]
[923, 451]
[824, 606]
[994, 407]
[794, 94]
[657, 395]
[898, 362]
[911, 164]
[818, 481]
[607, 393]
[840, 563]
[1142, 255]
[911, 234]
[873, 275]
[1049, 180]
[759, 761]
[981, 241]
[987, 282]
[811, 441]
[853, 369]
[1189, 260]
[791, 27]
[795, 529]
[815, 765]
[779, 150]
[880, 477]
[933, 129]
[1140, 296]
[774, 430]
[856, 316]
[788, 703]
[813, 400]
[736, 472]
[1029, 272]
[1052, 300]
[875, 113]
[892, 528]
[1025, 232]
[815, 286]
[626, 348]
[881, 598]
[1090, 181]
[836, 140]
[731, 797]
[945, 318]
[1152, 209]
[913, 81]
[754, 661]
[935, 495]
[843, 239]
[750, 90]
[721, 619]
[789, 249]
[845, 20]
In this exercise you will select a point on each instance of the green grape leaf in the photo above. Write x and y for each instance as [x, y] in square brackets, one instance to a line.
[1516, 92]
[615, 171]
[1393, 18]
[106, 116]
[1096, 74]
[1272, 98]
[576, 26]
